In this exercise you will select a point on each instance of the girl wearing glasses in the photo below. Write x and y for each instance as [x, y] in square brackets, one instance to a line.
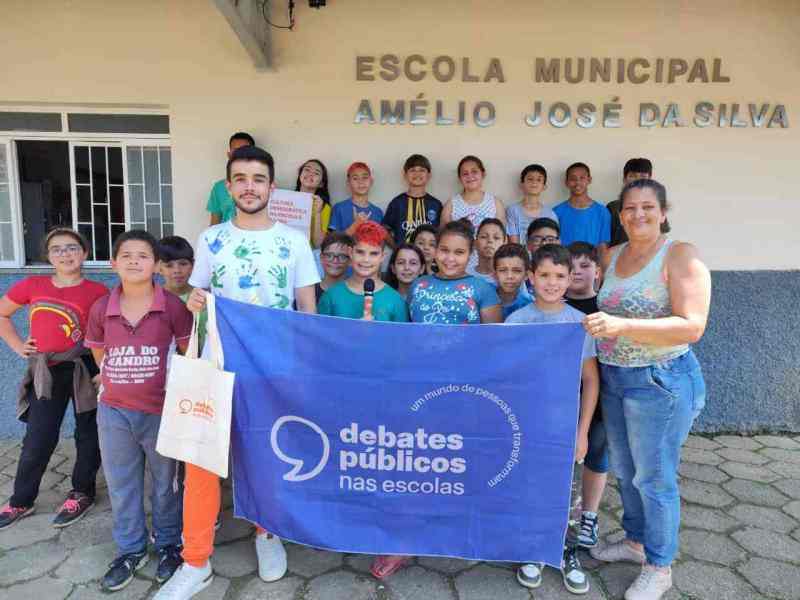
[59, 369]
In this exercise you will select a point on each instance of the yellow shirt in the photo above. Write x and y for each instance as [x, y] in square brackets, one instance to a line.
[325, 217]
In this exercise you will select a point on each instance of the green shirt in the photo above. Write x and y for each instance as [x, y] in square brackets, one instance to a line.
[340, 301]
[220, 202]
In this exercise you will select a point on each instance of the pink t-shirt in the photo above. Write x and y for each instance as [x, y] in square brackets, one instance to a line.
[134, 369]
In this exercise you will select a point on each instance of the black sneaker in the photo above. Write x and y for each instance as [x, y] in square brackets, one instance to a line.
[575, 579]
[120, 571]
[587, 534]
[169, 559]
[74, 509]
[11, 514]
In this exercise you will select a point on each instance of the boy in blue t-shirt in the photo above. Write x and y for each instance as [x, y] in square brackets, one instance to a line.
[511, 266]
[581, 218]
[357, 209]
[552, 268]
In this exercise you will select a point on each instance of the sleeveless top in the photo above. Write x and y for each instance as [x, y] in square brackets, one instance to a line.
[644, 295]
[474, 212]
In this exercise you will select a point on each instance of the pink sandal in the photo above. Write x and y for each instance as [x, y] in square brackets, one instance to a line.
[383, 566]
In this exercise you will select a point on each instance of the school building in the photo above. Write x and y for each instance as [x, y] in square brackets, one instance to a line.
[116, 115]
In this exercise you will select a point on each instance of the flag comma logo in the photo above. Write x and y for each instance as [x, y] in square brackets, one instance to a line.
[297, 464]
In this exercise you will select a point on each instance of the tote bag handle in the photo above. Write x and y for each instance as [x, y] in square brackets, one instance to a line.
[215, 353]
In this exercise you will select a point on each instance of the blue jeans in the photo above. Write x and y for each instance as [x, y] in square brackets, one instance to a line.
[648, 413]
[127, 440]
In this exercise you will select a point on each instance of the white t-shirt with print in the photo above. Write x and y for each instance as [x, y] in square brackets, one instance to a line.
[257, 267]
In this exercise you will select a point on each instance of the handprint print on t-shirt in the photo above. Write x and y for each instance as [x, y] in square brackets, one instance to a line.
[283, 251]
[219, 242]
[279, 273]
[282, 302]
[216, 276]
[247, 276]
[246, 250]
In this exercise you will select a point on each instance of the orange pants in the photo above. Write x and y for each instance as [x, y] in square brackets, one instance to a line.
[202, 500]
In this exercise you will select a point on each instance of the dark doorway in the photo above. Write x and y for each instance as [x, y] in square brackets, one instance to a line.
[45, 192]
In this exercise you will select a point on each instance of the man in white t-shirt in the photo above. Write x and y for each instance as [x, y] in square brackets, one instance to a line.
[256, 260]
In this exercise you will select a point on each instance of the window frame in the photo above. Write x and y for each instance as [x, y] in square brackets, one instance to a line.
[16, 208]
[121, 140]
[74, 191]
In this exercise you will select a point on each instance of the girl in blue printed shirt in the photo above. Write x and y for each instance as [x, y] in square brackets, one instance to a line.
[451, 296]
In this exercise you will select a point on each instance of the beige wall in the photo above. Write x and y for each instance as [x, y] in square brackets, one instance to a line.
[734, 191]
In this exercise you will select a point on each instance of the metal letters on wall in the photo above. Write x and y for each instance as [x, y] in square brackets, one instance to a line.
[420, 110]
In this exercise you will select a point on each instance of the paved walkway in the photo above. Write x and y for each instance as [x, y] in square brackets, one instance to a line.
[740, 541]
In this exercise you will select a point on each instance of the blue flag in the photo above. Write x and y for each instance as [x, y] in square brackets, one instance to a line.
[396, 438]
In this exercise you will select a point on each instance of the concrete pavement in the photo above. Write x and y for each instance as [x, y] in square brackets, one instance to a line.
[740, 540]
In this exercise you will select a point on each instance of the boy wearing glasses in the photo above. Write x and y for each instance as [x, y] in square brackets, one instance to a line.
[542, 231]
[335, 258]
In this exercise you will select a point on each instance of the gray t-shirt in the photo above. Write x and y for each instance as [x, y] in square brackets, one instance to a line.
[533, 314]
[518, 221]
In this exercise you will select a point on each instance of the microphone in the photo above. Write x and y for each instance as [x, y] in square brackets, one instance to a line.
[369, 295]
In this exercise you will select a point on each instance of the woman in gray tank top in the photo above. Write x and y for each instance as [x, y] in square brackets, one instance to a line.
[653, 303]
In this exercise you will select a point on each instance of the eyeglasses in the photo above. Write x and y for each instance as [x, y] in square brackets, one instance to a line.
[543, 239]
[330, 256]
[64, 250]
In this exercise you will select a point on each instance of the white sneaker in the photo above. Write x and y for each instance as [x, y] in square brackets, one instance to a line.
[651, 584]
[619, 552]
[186, 582]
[271, 557]
[530, 575]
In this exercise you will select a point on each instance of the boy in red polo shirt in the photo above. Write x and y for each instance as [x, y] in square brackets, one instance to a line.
[130, 333]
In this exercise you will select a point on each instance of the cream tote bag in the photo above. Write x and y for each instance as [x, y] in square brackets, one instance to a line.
[196, 420]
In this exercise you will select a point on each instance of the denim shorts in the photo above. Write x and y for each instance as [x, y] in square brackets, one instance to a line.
[596, 459]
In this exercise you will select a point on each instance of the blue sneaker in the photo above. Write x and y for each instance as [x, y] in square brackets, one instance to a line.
[587, 534]
[169, 559]
[120, 571]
